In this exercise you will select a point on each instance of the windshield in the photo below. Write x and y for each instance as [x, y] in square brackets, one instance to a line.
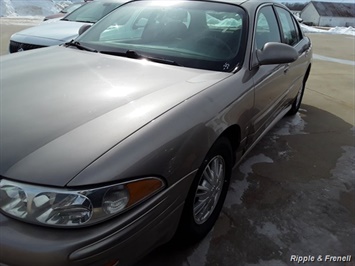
[92, 12]
[195, 34]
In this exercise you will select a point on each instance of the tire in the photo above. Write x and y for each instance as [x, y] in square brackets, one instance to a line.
[297, 101]
[207, 193]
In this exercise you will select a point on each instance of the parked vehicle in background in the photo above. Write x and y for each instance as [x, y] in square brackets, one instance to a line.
[65, 11]
[63, 30]
[115, 142]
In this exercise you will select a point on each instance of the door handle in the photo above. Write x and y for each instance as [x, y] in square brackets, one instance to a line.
[307, 52]
[287, 67]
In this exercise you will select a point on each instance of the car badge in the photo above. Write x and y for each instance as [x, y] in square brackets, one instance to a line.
[226, 66]
[20, 48]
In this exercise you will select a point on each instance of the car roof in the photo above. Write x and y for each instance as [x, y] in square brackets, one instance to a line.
[242, 2]
[236, 2]
[110, 1]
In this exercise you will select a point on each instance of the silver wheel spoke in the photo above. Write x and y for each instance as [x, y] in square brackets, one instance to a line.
[215, 167]
[208, 174]
[200, 206]
[202, 191]
[209, 189]
[205, 210]
[219, 172]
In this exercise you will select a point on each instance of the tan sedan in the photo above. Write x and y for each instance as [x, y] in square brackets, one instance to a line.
[115, 142]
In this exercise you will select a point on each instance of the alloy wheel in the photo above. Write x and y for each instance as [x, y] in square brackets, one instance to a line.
[209, 189]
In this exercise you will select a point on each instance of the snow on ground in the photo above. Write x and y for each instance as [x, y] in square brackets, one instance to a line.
[240, 186]
[294, 126]
[337, 30]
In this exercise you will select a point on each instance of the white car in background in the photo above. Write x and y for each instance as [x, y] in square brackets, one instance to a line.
[65, 11]
[63, 30]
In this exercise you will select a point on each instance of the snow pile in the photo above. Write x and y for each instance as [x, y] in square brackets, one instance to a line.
[309, 29]
[337, 30]
[343, 30]
[32, 8]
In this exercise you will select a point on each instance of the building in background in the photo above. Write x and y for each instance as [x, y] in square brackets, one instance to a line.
[295, 7]
[329, 14]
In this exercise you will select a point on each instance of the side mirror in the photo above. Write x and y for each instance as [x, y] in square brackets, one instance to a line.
[276, 53]
[84, 28]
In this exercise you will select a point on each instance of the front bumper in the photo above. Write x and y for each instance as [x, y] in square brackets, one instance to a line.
[126, 238]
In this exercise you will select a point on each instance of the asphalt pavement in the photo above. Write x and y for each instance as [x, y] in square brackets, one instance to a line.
[292, 200]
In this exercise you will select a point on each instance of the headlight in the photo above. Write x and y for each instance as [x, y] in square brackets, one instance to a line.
[67, 208]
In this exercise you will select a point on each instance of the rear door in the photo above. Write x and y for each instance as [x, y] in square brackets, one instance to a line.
[292, 35]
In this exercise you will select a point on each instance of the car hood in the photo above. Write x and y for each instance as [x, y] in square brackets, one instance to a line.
[58, 31]
[62, 108]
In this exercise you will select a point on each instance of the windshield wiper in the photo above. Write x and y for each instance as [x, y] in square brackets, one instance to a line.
[85, 21]
[79, 46]
[133, 54]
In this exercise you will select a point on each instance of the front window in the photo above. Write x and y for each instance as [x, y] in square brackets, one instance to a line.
[188, 33]
[267, 29]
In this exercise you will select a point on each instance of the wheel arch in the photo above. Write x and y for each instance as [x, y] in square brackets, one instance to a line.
[233, 134]
[307, 73]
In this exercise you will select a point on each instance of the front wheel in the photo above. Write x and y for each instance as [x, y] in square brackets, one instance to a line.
[207, 193]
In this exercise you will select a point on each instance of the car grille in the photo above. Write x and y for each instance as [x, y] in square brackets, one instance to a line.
[17, 46]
